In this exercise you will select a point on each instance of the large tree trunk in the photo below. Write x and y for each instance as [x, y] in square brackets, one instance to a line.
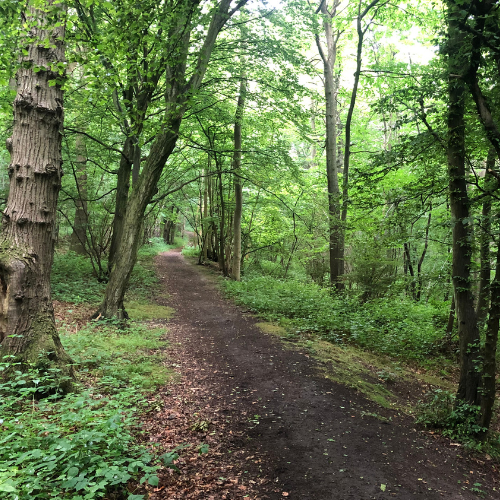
[238, 191]
[468, 331]
[79, 235]
[27, 326]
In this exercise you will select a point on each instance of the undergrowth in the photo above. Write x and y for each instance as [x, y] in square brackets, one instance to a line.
[397, 328]
[81, 446]
[457, 420]
[73, 278]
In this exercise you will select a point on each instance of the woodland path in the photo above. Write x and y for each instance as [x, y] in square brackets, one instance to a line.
[314, 437]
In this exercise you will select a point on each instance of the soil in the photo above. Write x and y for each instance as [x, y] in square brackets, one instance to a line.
[276, 427]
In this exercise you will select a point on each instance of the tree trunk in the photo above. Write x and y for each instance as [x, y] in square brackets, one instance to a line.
[126, 255]
[79, 235]
[27, 326]
[179, 87]
[488, 388]
[409, 267]
[122, 189]
[468, 331]
[422, 256]
[484, 244]
[205, 228]
[222, 222]
[328, 57]
[238, 191]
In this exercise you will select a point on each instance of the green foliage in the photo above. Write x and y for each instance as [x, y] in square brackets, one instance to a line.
[120, 358]
[154, 246]
[82, 446]
[73, 279]
[191, 251]
[78, 447]
[440, 409]
[398, 328]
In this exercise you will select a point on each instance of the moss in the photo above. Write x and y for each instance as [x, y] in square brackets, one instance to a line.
[271, 328]
[143, 311]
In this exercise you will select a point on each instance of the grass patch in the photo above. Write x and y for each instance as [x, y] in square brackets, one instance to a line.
[144, 311]
[119, 357]
[371, 374]
[81, 446]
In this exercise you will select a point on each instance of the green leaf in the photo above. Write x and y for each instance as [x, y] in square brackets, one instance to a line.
[7, 486]
[382, 487]
[73, 472]
[153, 480]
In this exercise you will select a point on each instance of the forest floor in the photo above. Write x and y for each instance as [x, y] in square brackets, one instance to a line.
[276, 427]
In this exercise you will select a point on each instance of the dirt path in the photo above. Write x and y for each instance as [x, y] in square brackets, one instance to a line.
[315, 439]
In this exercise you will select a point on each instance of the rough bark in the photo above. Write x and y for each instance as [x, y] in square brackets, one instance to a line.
[468, 331]
[79, 235]
[27, 326]
[238, 191]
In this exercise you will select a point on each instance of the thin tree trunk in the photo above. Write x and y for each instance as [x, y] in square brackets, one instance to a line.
[484, 244]
[238, 191]
[468, 331]
[422, 256]
[79, 236]
[205, 228]
[221, 260]
[488, 389]
[27, 325]
[409, 267]
[451, 320]
[329, 57]
[122, 190]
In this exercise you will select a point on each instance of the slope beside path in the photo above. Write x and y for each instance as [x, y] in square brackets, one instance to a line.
[286, 430]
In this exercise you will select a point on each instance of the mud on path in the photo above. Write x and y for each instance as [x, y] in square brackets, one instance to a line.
[313, 439]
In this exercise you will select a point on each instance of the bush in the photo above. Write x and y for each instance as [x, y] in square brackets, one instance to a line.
[441, 410]
[394, 327]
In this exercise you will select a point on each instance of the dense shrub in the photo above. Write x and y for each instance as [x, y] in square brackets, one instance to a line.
[395, 327]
